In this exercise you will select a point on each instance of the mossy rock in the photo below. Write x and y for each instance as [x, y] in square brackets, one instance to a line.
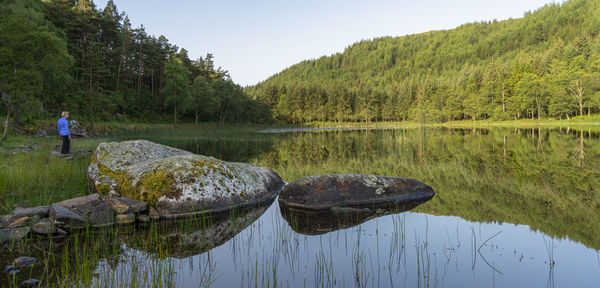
[177, 182]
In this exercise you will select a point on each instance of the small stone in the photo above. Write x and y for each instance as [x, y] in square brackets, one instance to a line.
[143, 218]
[19, 222]
[44, 226]
[24, 261]
[102, 215]
[66, 218]
[13, 234]
[40, 211]
[153, 214]
[81, 205]
[125, 218]
[123, 205]
[113, 193]
[30, 283]
[60, 232]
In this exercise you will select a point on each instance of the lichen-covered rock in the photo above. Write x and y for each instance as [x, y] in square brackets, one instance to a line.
[111, 160]
[351, 190]
[177, 182]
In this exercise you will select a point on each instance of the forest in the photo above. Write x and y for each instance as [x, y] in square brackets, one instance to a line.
[58, 55]
[544, 65]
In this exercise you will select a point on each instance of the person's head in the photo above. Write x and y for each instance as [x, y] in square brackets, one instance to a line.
[64, 114]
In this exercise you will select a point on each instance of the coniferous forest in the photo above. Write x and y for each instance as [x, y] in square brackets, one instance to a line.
[546, 64]
[70, 55]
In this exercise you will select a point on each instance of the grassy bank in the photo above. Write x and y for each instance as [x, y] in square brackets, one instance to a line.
[589, 121]
[37, 177]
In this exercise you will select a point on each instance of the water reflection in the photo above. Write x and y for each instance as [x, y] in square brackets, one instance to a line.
[194, 235]
[317, 222]
[399, 250]
[545, 178]
[514, 207]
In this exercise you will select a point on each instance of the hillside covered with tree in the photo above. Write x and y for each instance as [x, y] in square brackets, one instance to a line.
[70, 55]
[546, 64]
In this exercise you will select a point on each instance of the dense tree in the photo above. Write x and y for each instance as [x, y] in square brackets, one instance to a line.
[70, 55]
[32, 58]
[176, 90]
[542, 65]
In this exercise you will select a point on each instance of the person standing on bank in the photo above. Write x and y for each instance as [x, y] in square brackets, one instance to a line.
[63, 131]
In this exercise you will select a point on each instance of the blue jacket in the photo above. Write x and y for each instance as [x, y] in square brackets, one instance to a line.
[63, 127]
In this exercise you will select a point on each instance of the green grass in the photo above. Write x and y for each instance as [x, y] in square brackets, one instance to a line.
[592, 121]
[37, 177]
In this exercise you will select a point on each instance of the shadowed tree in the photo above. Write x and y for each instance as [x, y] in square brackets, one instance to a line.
[31, 55]
[176, 89]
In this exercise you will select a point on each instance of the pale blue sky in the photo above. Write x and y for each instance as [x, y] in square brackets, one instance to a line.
[255, 39]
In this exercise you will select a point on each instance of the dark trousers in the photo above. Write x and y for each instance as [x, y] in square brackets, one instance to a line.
[66, 146]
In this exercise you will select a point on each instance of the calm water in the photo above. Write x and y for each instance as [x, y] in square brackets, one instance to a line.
[514, 208]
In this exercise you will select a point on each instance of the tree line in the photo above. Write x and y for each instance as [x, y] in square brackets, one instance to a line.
[546, 64]
[69, 55]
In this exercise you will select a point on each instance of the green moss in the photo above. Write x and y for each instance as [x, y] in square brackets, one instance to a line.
[150, 187]
[102, 188]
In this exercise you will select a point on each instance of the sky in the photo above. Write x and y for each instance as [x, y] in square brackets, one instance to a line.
[256, 39]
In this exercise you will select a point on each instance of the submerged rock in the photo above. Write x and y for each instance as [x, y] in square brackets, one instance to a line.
[30, 283]
[125, 218]
[24, 261]
[351, 190]
[13, 234]
[177, 182]
[11, 270]
[153, 214]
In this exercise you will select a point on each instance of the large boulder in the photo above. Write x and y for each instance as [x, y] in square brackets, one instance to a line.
[177, 182]
[352, 190]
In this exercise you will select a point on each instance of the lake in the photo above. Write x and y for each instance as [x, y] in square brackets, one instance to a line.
[514, 208]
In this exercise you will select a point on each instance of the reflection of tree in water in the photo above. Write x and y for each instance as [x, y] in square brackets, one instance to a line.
[579, 150]
[521, 176]
[226, 144]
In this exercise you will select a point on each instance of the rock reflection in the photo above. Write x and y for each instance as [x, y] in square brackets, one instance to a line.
[195, 235]
[311, 222]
